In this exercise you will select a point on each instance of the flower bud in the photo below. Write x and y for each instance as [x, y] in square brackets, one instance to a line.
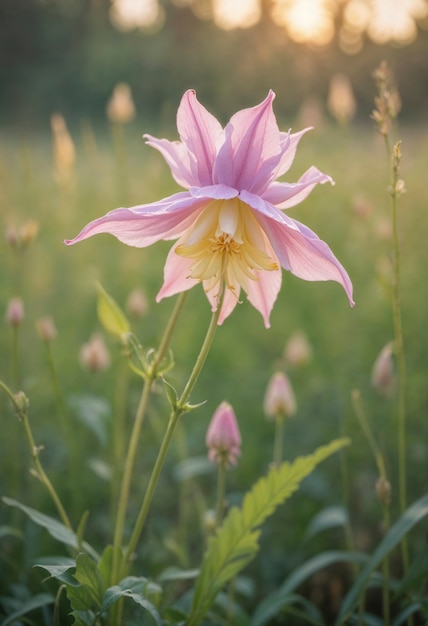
[15, 312]
[223, 438]
[383, 373]
[297, 350]
[94, 355]
[28, 232]
[279, 399]
[383, 490]
[137, 303]
[120, 107]
[46, 329]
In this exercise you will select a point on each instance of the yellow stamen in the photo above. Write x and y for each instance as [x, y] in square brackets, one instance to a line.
[227, 244]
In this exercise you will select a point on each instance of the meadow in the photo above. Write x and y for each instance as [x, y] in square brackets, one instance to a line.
[73, 411]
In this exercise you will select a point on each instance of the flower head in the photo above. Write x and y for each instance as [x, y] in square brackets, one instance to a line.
[279, 400]
[14, 312]
[231, 231]
[223, 438]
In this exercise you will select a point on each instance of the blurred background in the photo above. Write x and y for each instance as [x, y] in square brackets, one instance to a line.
[67, 56]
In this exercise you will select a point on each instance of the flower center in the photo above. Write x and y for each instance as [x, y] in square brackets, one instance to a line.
[227, 244]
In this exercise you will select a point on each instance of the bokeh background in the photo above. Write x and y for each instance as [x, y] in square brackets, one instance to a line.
[69, 153]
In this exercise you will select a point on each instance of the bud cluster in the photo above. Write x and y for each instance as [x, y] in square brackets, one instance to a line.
[387, 102]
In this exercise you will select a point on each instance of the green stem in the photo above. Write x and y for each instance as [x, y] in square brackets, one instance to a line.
[35, 451]
[394, 156]
[180, 408]
[277, 444]
[221, 490]
[134, 440]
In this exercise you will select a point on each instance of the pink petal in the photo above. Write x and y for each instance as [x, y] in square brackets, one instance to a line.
[263, 292]
[230, 301]
[304, 254]
[143, 225]
[289, 143]
[251, 150]
[176, 275]
[286, 195]
[200, 132]
[177, 157]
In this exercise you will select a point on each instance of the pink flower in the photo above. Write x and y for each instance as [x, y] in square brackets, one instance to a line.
[279, 399]
[229, 221]
[223, 438]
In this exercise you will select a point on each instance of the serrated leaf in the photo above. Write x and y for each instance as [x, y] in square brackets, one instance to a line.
[36, 602]
[236, 542]
[56, 529]
[111, 315]
[88, 574]
[414, 514]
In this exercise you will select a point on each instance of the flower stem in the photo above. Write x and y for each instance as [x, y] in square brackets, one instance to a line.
[181, 407]
[21, 410]
[277, 444]
[134, 439]
[221, 490]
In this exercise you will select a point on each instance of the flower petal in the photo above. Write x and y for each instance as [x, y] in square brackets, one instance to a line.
[176, 275]
[177, 157]
[286, 195]
[304, 254]
[263, 292]
[251, 150]
[289, 142]
[200, 132]
[143, 225]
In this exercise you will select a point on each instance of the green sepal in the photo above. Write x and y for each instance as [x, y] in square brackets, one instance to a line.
[111, 315]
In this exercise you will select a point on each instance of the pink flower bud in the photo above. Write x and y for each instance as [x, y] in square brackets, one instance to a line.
[223, 437]
[137, 303]
[94, 355]
[46, 329]
[297, 350]
[15, 312]
[279, 398]
[383, 372]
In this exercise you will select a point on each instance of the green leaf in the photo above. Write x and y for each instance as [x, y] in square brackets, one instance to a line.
[171, 393]
[277, 600]
[330, 517]
[61, 571]
[106, 563]
[36, 602]
[88, 574]
[9, 531]
[135, 589]
[414, 514]
[83, 618]
[111, 315]
[79, 597]
[56, 529]
[236, 542]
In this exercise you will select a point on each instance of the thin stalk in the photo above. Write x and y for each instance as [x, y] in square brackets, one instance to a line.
[221, 490]
[365, 427]
[134, 440]
[175, 415]
[35, 451]
[278, 439]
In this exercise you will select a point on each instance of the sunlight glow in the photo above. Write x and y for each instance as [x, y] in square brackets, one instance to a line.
[129, 14]
[230, 14]
[306, 21]
[395, 20]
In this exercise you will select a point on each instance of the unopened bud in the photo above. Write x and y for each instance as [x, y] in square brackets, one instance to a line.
[21, 403]
[15, 312]
[11, 236]
[279, 399]
[383, 374]
[46, 329]
[94, 355]
[28, 232]
[137, 303]
[297, 350]
[223, 438]
[383, 490]
[120, 107]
